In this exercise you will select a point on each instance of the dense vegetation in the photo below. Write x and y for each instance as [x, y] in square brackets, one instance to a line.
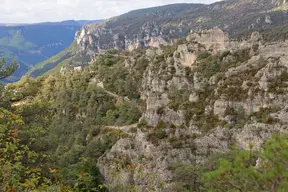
[65, 121]
[238, 170]
[54, 129]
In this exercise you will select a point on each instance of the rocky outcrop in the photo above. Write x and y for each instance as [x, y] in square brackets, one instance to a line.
[155, 94]
[185, 56]
[201, 113]
[158, 79]
[141, 162]
[160, 26]
[95, 39]
[213, 39]
[136, 161]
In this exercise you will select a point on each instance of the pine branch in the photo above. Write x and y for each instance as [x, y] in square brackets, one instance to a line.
[7, 71]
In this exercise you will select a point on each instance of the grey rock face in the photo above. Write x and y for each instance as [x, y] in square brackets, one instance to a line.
[98, 38]
[161, 26]
[149, 164]
[259, 111]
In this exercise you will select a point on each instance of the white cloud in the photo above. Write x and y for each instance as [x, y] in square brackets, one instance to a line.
[28, 11]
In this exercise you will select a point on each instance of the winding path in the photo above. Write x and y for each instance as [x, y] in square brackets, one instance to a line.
[126, 129]
[141, 108]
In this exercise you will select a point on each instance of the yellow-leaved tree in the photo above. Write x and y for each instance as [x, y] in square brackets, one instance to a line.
[20, 167]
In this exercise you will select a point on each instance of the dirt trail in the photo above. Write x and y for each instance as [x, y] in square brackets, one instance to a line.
[19, 103]
[125, 99]
[126, 129]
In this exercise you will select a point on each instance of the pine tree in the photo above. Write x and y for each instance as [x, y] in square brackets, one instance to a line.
[250, 171]
[7, 71]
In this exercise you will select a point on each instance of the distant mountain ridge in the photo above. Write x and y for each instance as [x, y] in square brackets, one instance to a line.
[71, 22]
[65, 22]
[153, 27]
[30, 44]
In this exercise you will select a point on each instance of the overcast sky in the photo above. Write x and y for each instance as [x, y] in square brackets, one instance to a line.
[31, 11]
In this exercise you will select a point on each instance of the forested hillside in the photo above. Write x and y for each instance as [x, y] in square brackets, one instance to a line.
[178, 98]
[197, 115]
[30, 44]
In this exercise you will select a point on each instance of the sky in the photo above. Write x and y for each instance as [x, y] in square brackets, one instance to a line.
[34, 11]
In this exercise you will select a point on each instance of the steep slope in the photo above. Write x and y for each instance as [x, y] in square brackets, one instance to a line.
[151, 27]
[193, 100]
[55, 61]
[160, 25]
[32, 43]
[203, 96]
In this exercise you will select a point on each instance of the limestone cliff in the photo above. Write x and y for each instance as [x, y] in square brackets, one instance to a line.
[158, 26]
[203, 95]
